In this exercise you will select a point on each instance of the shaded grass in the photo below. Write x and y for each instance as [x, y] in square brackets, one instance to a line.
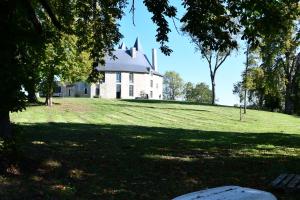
[133, 150]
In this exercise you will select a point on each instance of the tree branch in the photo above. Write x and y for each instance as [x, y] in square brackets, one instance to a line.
[132, 10]
[32, 15]
[51, 14]
[222, 60]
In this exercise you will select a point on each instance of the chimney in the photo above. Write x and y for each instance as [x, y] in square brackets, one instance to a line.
[154, 60]
[133, 52]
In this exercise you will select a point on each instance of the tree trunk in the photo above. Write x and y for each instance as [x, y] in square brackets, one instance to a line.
[213, 85]
[5, 126]
[261, 100]
[49, 100]
[32, 95]
[245, 81]
[245, 101]
[50, 86]
[288, 104]
[99, 96]
[240, 112]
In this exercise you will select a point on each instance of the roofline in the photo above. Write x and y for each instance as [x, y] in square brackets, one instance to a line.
[155, 73]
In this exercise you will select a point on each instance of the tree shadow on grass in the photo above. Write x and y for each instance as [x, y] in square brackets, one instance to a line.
[90, 161]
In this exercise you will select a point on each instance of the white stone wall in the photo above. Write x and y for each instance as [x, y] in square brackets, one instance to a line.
[141, 83]
[157, 87]
[125, 85]
[76, 90]
[93, 87]
[108, 88]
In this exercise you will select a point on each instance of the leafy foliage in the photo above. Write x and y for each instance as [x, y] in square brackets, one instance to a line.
[276, 83]
[218, 24]
[199, 93]
[215, 59]
[161, 9]
[62, 60]
[173, 85]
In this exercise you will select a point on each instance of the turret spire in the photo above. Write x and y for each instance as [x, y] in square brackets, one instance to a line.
[138, 45]
[123, 46]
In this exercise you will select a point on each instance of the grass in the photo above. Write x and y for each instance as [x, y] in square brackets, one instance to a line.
[105, 149]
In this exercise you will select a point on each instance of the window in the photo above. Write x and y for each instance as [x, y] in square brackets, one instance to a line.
[131, 90]
[151, 83]
[131, 78]
[118, 77]
[157, 85]
[151, 94]
[85, 91]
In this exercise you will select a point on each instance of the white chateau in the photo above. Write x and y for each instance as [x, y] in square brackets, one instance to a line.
[131, 75]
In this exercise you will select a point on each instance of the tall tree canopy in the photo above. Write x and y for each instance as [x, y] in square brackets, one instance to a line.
[215, 59]
[218, 24]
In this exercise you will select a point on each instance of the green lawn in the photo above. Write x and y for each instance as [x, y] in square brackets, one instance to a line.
[105, 149]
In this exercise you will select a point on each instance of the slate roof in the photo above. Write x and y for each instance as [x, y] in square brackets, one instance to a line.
[126, 63]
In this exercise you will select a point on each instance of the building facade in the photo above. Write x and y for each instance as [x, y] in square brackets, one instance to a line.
[129, 76]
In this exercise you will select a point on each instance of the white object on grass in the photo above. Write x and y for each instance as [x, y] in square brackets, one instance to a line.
[228, 193]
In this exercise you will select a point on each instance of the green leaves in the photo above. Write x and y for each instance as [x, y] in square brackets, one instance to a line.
[218, 24]
[173, 85]
[199, 93]
[68, 63]
[160, 10]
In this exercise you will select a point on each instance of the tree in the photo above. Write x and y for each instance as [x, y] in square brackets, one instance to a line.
[218, 24]
[245, 77]
[255, 83]
[239, 90]
[200, 93]
[297, 87]
[64, 61]
[215, 59]
[288, 60]
[265, 87]
[215, 26]
[188, 91]
[173, 85]
[251, 62]
[26, 22]
[278, 54]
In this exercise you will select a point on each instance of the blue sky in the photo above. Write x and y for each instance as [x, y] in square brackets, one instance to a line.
[184, 59]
